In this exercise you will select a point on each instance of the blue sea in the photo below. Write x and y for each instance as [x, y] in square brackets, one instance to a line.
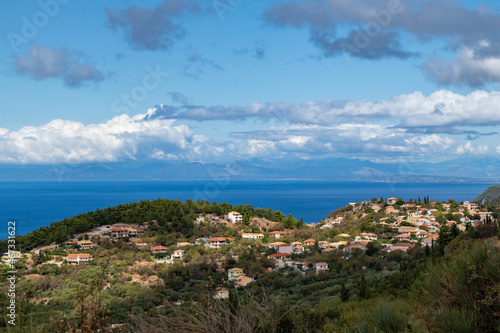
[36, 204]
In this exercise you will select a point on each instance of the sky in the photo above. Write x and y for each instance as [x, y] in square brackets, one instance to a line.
[227, 80]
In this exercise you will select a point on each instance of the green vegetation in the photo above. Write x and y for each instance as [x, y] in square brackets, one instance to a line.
[453, 286]
[172, 217]
[489, 197]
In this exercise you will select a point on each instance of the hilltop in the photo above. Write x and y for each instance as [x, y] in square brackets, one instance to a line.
[490, 197]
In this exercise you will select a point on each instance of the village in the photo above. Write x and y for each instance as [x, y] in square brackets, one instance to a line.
[401, 225]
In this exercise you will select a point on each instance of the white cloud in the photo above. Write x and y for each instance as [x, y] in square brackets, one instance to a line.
[64, 141]
[469, 148]
[439, 111]
[145, 137]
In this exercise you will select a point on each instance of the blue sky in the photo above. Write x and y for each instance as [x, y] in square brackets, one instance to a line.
[226, 80]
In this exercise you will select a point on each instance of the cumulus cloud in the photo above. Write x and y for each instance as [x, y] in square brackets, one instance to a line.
[123, 137]
[146, 137]
[439, 111]
[43, 62]
[153, 28]
[375, 26]
[365, 141]
[471, 149]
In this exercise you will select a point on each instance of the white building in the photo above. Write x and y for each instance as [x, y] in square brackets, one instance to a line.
[235, 217]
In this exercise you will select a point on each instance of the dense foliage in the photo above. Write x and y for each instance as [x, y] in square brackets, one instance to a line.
[172, 217]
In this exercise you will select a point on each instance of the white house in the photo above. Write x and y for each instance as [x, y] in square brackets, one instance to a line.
[79, 258]
[235, 217]
[217, 242]
[178, 254]
[369, 235]
[252, 236]
[277, 234]
[321, 266]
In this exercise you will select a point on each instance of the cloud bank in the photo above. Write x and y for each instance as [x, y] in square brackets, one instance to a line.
[430, 128]
[440, 111]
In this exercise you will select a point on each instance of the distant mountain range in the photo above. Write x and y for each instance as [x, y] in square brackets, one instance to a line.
[469, 170]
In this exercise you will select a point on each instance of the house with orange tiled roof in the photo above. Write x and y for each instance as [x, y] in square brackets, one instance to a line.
[159, 249]
[123, 232]
[309, 242]
[369, 235]
[422, 234]
[218, 242]
[399, 246]
[277, 234]
[402, 237]
[350, 248]
[408, 205]
[78, 258]
[119, 232]
[279, 256]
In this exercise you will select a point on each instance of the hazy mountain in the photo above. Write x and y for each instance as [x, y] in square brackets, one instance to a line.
[328, 169]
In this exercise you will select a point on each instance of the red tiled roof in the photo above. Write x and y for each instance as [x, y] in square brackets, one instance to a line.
[276, 232]
[275, 255]
[220, 239]
[76, 255]
[403, 244]
[159, 247]
[354, 246]
[310, 240]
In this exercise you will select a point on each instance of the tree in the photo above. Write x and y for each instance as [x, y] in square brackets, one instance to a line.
[246, 219]
[344, 293]
[363, 287]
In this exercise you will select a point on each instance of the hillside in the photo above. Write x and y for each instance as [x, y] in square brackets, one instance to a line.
[171, 266]
[490, 197]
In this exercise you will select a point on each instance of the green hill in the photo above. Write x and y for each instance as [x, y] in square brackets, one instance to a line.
[490, 197]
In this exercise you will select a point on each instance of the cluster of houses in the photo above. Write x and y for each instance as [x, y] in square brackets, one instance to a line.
[424, 230]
